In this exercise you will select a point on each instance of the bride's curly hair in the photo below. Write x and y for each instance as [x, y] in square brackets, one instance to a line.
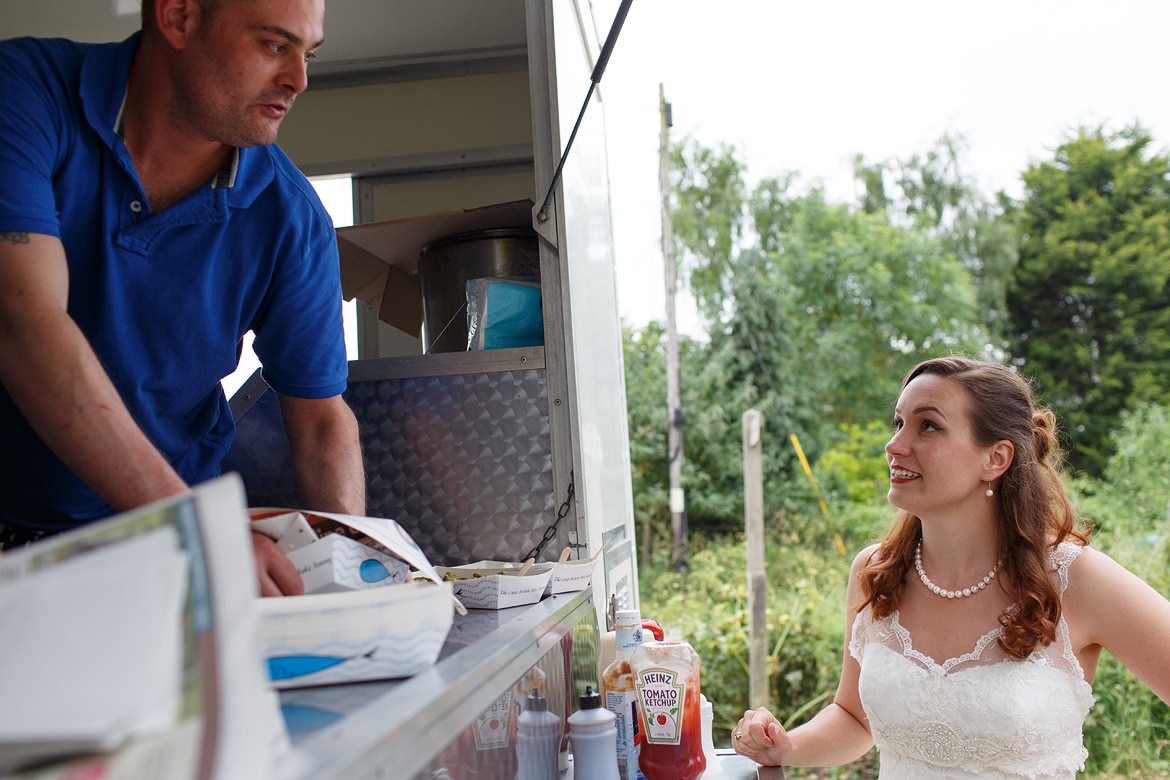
[1031, 504]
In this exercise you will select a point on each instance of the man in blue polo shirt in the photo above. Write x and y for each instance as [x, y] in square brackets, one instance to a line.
[147, 222]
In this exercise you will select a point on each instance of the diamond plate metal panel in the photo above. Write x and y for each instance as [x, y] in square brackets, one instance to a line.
[463, 462]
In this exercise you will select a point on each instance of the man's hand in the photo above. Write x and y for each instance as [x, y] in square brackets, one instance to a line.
[278, 576]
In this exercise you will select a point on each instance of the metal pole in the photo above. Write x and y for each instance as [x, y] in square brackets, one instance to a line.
[753, 506]
[594, 80]
[674, 438]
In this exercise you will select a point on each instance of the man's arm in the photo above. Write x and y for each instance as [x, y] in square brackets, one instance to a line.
[326, 453]
[58, 383]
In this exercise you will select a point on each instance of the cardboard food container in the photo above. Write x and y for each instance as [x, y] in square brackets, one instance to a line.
[383, 632]
[571, 576]
[338, 563]
[330, 553]
[380, 633]
[496, 584]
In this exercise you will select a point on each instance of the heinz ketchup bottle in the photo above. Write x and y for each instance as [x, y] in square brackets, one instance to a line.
[666, 676]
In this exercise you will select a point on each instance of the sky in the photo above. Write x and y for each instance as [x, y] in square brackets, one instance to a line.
[805, 85]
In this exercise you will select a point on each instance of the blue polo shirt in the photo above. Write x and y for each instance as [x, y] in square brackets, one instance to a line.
[164, 299]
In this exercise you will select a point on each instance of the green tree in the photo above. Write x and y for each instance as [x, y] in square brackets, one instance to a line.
[712, 475]
[836, 306]
[1133, 498]
[814, 312]
[645, 375]
[933, 191]
[1088, 304]
[1139, 470]
[857, 467]
[709, 197]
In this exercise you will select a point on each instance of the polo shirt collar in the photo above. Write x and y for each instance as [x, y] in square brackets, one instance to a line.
[104, 76]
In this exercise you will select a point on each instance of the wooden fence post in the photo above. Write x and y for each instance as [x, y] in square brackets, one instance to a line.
[757, 583]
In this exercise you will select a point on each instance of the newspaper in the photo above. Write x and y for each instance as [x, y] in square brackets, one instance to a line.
[149, 619]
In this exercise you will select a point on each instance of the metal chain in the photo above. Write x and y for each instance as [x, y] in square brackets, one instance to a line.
[550, 533]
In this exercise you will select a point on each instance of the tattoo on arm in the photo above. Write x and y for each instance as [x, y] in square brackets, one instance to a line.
[14, 237]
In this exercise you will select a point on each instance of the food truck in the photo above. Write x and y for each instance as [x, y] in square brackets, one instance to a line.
[497, 437]
[453, 137]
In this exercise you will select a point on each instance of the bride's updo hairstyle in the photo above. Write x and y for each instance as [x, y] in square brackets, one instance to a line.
[1032, 506]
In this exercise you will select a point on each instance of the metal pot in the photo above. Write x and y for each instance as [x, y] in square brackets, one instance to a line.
[445, 266]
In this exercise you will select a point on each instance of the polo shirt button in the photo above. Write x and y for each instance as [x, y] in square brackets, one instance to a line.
[136, 206]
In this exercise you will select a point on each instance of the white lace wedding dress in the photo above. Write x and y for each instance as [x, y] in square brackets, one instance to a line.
[981, 715]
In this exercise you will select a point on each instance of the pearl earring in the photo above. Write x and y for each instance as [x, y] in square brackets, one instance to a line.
[989, 492]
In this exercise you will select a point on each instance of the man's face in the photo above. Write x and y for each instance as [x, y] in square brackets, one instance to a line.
[245, 66]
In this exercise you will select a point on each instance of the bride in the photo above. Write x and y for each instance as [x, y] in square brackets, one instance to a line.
[975, 626]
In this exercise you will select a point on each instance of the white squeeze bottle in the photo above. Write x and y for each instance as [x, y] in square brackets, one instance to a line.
[707, 710]
[538, 740]
[617, 686]
[594, 740]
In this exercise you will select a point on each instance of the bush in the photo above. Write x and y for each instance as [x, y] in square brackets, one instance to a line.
[1127, 732]
[707, 606]
[1128, 729]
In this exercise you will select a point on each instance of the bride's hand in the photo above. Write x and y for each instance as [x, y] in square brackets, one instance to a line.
[760, 737]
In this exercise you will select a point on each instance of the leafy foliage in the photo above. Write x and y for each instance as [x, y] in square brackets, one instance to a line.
[645, 373]
[709, 194]
[857, 467]
[932, 191]
[1133, 499]
[1090, 314]
[839, 307]
[815, 311]
[805, 624]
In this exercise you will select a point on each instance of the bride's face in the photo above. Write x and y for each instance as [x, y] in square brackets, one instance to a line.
[936, 466]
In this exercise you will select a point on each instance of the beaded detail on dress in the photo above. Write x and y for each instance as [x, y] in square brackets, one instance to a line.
[979, 715]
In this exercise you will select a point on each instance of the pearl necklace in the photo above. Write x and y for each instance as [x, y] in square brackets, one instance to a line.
[951, 594]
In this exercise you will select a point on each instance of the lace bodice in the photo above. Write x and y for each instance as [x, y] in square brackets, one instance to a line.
[980, 715]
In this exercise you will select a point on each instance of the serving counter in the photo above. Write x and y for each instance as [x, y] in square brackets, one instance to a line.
[456, 719]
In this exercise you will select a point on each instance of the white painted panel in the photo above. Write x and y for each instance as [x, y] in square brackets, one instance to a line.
[592, 321]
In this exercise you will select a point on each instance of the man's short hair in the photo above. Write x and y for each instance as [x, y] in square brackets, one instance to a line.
[207, 8]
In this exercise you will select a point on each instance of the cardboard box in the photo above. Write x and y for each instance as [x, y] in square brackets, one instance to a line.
[379, 260]
[571, 576]
[495, 584]
[351, 635]
[337, 563]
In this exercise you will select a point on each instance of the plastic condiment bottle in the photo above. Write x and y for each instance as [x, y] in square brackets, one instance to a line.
[666, 676]
[538, 740]
[594, 738]
[617, 686]
[707, 711]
